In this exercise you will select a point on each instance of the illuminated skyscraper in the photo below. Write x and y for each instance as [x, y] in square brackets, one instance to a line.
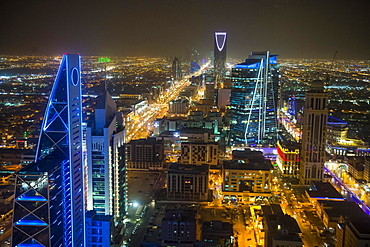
[105, 160]
[220, 55]
[315, 118]
[49, 194]
[253, 101]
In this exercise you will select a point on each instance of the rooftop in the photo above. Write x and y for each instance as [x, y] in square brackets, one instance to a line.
[176, 168]
[324, 191]
[49, 163]
[184, 215]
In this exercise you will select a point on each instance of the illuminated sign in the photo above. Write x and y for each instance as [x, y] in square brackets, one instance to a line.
[220, 40]
[75, 77]
[103, 60]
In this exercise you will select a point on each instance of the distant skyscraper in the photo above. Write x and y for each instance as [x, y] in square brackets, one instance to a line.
[253, 101]
[106, 166]
[176, 69]
[49, 194]
[220, 55]
[194, 55]
[315, 117]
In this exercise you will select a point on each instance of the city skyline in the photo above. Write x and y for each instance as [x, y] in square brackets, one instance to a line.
[171, 153]
[293, 29]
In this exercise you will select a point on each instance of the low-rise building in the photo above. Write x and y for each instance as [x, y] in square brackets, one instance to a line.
[179, 227]
[288, 158]
[188, 182]
[199, 153]
[280, 229]
[218, 232]
[246, 176]
[145, 154]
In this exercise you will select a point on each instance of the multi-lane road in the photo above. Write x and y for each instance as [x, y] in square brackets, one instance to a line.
[140, 123]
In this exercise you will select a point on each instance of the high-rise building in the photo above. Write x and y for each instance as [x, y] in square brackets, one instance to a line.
[49, 193]
[220, 55]
[253, 101]
[105, 158]
[315, 119]
[176, 69]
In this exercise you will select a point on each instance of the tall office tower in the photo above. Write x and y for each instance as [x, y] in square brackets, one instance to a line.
[49, 193]
[315, 118]
[253, 101]
[176, 69]
[220, 56]
[106, 170]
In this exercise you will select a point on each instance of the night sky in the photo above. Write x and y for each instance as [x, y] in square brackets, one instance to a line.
[291, 28]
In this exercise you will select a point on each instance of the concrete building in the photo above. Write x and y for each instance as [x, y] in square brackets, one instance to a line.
[188, 182]
[217, 232]
[320, 191]
[315, 115]
[332, 212]
[280, 229]
[247, 176]
[145, 154]
[288, 158]
[199, 153]
[223, 98]
[357, 234]
[179, 227]
[178, 107]
[339, 144]
[357, 167]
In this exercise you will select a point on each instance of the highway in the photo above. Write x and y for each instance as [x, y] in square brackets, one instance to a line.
[140, 124]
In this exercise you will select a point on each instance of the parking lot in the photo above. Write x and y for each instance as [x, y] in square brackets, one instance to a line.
[140, 186]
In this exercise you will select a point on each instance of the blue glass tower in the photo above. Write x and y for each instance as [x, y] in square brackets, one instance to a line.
[49, 195]
[253, 101]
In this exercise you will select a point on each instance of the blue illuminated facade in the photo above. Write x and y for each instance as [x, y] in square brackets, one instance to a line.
[253, 101]
[49, 195]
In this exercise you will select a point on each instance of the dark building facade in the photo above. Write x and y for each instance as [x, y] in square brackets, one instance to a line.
[179, 226]
[145, 154]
